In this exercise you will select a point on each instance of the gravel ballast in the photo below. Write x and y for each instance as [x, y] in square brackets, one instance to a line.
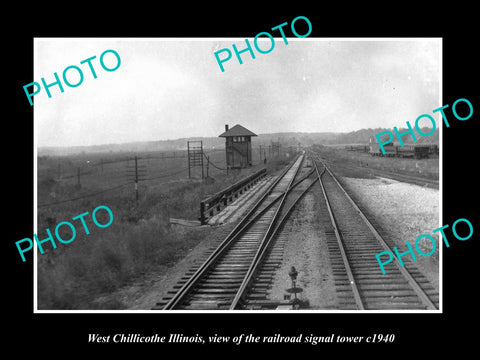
[404, 212]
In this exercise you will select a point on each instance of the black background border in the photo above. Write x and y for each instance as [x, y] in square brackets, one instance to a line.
[426, 332]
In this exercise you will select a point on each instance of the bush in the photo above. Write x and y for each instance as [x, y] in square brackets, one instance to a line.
[139, 240]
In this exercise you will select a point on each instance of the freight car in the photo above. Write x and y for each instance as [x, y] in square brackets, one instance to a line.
[359, 148]
[406, 151]
[433, 149]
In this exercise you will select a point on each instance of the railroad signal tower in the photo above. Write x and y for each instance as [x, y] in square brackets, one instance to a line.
[238, 146]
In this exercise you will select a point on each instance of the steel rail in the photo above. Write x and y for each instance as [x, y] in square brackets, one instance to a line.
[406, 274]
[356, 293]
[413, 283]
[238, 230]
[262, 251]
[265, 239]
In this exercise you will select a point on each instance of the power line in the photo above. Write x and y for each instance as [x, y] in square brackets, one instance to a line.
[109, 189]
[166, 175]
[113, 188]
[85, 196]
[210, 162]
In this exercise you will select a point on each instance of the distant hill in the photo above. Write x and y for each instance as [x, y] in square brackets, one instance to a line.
[362, 136]
[140, 146]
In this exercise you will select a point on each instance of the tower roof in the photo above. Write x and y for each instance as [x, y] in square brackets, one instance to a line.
[237, 130]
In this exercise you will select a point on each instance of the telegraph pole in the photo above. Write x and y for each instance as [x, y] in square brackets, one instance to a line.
[137, 174]
[208, 163]
[78, 178]
[136, 179]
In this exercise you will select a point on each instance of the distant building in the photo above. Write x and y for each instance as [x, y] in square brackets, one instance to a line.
[238, 146]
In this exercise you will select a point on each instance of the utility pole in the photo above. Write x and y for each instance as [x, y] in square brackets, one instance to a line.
[189, 164]
[137, 174]
[78, 178]
[208, 163]
[136, 179]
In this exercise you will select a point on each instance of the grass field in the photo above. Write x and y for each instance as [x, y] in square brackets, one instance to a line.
[140, 237]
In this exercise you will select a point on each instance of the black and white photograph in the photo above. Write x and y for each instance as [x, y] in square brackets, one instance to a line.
[217, 180]
[261, 187]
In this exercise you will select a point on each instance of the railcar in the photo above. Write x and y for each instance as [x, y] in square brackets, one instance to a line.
[406, 151]
[358, 148]
[433, 149]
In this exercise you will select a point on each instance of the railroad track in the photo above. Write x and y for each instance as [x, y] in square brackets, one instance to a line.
[239, 271]
[225, 279]
[353, 241]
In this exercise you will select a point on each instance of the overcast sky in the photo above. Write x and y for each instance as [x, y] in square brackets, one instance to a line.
[173, 88]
